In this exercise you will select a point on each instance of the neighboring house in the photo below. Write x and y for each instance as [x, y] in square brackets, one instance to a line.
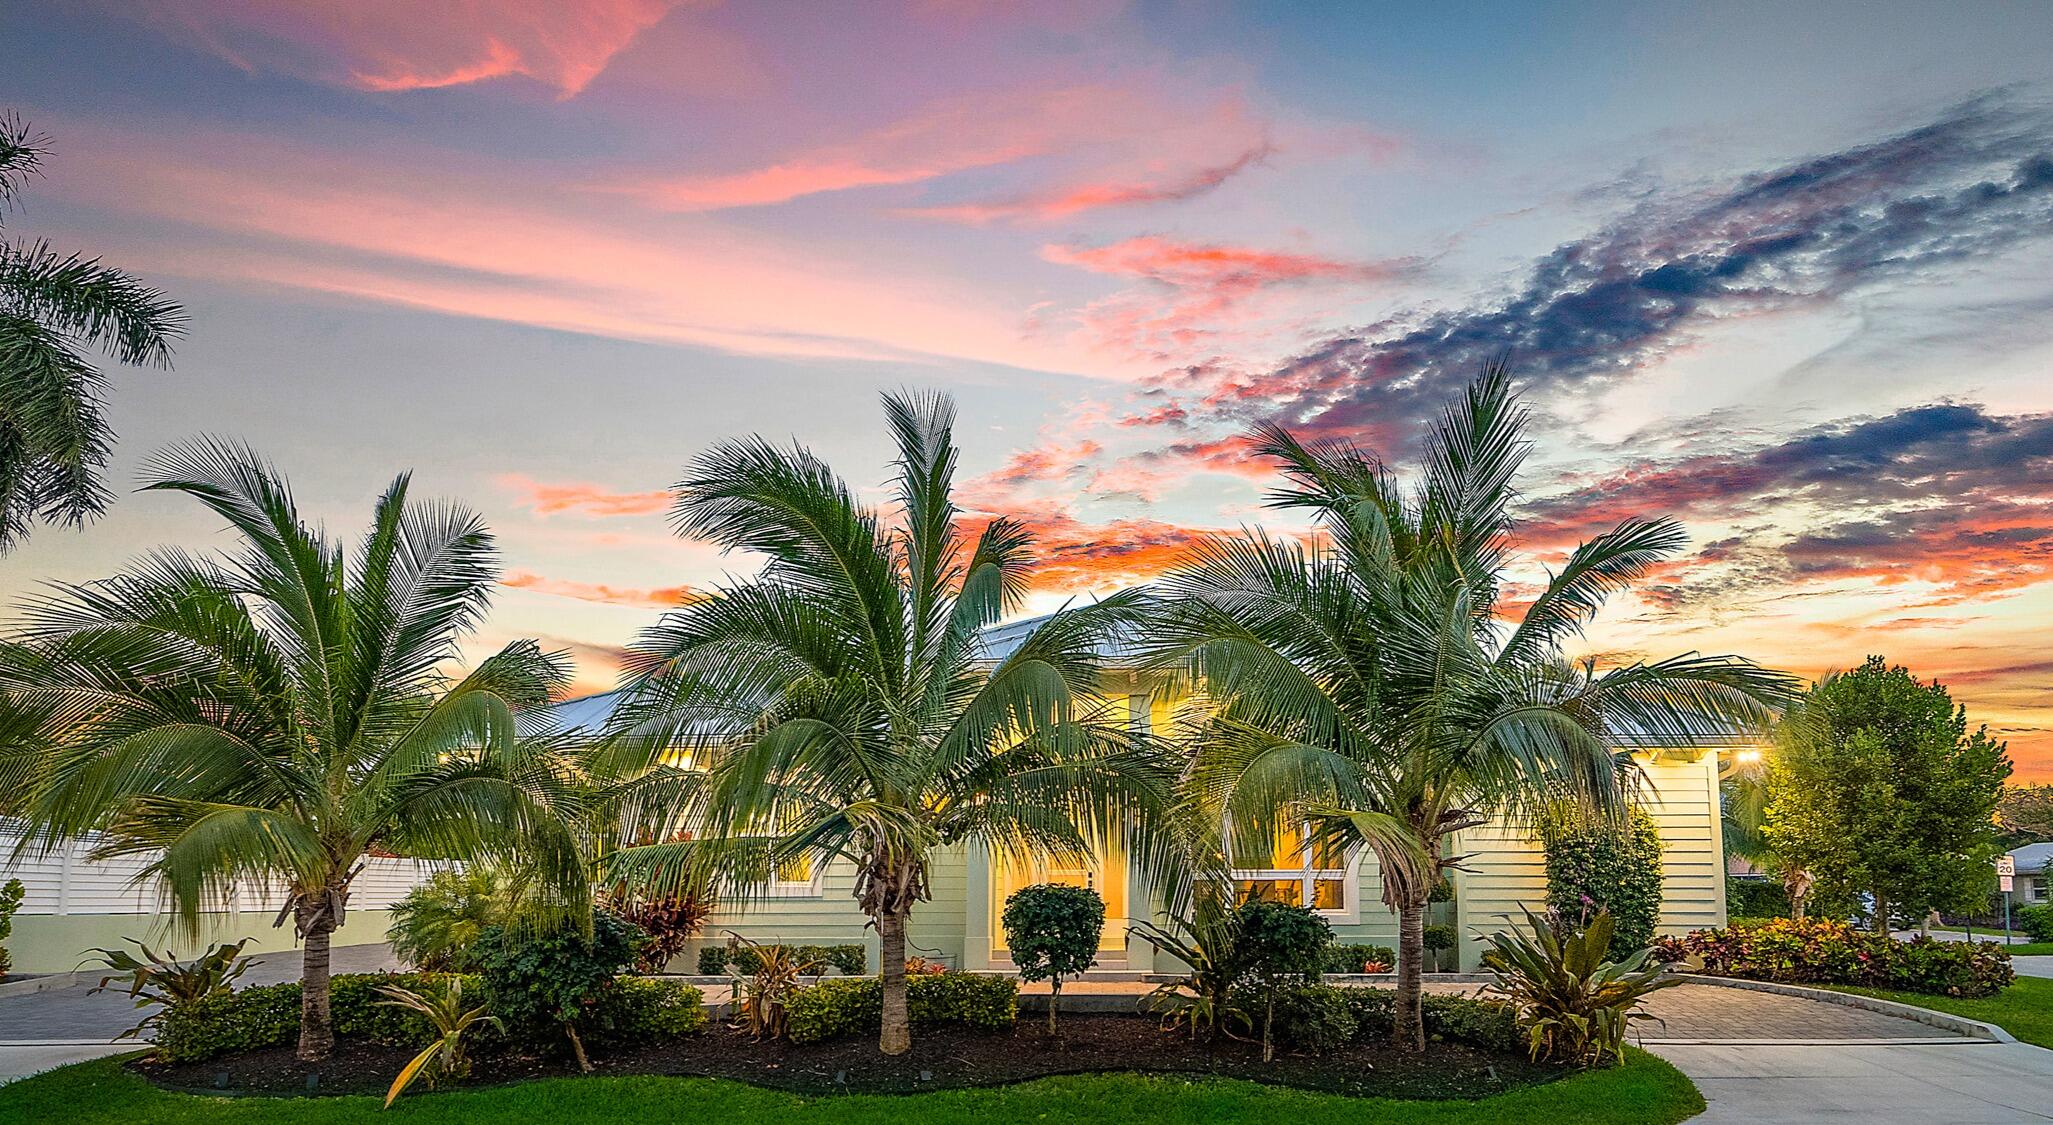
[2031, 887]
[959, 925]
[74, 904]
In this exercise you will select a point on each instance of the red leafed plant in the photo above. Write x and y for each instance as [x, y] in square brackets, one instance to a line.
[670, 922]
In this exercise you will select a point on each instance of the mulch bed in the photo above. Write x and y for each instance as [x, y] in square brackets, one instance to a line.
[941, 1058]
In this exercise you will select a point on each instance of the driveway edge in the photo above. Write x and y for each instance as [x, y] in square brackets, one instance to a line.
[1975, 1029]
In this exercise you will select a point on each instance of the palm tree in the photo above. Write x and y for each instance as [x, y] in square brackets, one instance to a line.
[53, 309]
[841, 705]
[1365, 684]
[278, 712]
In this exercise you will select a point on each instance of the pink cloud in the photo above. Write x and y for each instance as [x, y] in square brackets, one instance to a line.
[661, 597]
[398, 45]
[1168, 186]
[547, 499]
[1100, 126]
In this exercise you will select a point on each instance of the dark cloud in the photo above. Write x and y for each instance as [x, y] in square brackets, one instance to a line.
[1975, 182]
[1947, 493]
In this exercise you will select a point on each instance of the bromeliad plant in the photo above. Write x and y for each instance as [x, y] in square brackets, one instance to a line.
[168, 984]
[1574, 1004]
[445, 1057]
[1201, 1002]
[842, 706]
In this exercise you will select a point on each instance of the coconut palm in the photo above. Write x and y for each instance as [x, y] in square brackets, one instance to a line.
[278, 712]
[840, 705]
[54, 309]
[1368, 683]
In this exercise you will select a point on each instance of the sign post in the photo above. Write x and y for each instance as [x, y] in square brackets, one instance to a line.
[2006, 874]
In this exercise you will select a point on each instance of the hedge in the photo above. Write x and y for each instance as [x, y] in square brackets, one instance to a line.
[2036, 921]
[268, 1015]
[1756, 898]
[851, 960]
[1826, 952]
[855, 1005]
[1595, 865]
[1321, 1017]
[1351, 958]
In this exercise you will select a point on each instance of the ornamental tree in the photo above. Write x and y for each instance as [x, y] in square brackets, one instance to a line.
[1052, 931]
[1278, 945]
[1876, 786]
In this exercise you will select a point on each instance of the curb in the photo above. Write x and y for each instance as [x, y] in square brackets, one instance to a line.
[1961, 1025]
[48, 982]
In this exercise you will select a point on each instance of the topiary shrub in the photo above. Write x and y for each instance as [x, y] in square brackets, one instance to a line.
[855, 1005]
[1279, 946]
[1594, 866]
[557, 981]
[1353, 958]
[1052, 931]
[1440, 939]
[2036, 921]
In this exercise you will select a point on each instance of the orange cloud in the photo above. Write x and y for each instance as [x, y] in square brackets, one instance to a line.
[396, 45]
[546, 499]
[662, 597]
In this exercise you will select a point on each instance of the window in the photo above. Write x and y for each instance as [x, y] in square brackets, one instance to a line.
[1302, 874]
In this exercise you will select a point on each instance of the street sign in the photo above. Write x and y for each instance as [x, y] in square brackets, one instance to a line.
[2006, 867]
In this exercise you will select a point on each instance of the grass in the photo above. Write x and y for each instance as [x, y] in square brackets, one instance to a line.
[1645, 1091]
[2025, 1009]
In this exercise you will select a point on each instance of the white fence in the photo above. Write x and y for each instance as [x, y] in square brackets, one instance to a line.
[67, 882]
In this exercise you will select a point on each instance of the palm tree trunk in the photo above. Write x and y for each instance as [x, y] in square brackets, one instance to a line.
[316, 1026]
[1410, 1029]
[895, 1037]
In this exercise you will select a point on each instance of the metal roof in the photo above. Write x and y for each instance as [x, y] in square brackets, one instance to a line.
[2031, 859]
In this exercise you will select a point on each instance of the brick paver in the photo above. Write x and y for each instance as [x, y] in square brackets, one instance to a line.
[1705, 1011]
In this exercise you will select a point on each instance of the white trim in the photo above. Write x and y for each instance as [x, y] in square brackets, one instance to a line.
[1348, 876]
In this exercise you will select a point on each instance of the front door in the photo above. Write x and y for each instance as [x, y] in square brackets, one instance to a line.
[1105, 875]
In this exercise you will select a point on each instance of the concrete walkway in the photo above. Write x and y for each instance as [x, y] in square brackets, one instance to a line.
[68, 1025]
[1970, 1082]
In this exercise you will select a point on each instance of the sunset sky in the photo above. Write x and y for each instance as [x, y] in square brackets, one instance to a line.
[1783, 271]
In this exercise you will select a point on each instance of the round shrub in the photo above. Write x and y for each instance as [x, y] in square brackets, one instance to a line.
[1278, 946]
[1594, 865]
[1052, 931]
[2036, 921]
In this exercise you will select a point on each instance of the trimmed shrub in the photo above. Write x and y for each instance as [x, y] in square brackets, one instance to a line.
[1439, 939]
[11, 895]
[1351, 958]
[1321, 1017]
[1279, 946]
[1819, 951]
[268, 1015]
[2036, 921]
[855, 1005]
[1599, 866]
[641, 1009]
[850, 960]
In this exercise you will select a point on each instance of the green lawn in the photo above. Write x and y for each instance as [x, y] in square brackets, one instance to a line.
[2025, 1009]
[1645, 1091]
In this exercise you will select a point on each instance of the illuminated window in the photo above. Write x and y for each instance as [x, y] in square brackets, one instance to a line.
[797, 869]
[1301, 873]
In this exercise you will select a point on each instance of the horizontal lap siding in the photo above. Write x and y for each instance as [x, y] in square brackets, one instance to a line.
[1507, 869]
[831, 916]
[67, 882]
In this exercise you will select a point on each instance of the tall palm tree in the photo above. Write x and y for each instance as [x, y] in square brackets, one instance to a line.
[54, 308]
[840, 705]
[279, 711]
[1368, 684]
